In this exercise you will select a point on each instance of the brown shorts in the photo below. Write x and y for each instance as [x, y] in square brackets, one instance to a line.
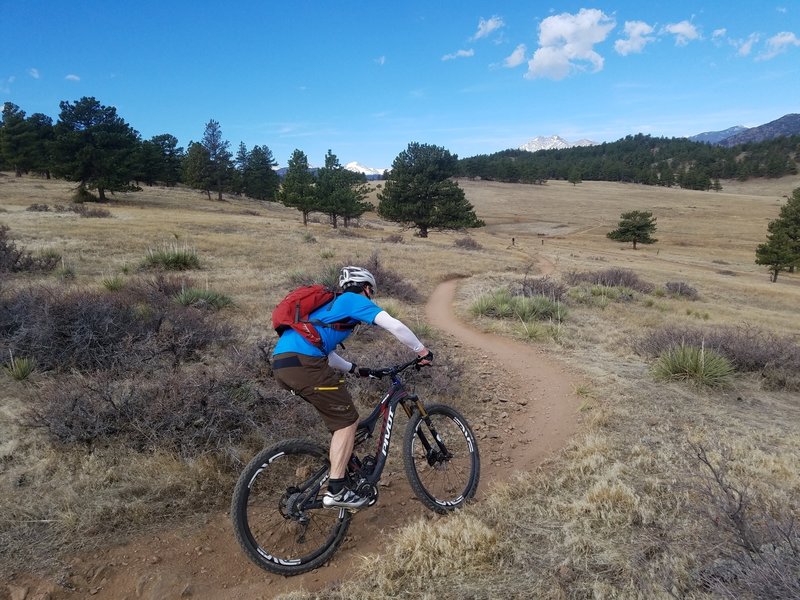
[313, 379]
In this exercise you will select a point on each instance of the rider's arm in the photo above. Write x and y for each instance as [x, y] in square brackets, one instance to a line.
[385, 321]
[338, 363]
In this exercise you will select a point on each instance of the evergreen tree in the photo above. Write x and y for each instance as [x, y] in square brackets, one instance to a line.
[218, 155]
[635, 226]
[15, 143]
[42, 133]
[297, 189]
[171, 158]
[419, 191]
[94, 147]
[340, 193]
[781, 251]
[776, 253]
[259, 179]
[197, 168]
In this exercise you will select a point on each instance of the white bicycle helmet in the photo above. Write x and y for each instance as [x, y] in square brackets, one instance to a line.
[356, 276]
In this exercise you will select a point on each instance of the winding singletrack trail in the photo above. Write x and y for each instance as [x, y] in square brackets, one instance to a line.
[527, 410]
[543, 384]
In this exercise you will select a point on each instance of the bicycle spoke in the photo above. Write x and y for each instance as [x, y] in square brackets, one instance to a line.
[443, 471]
[278, 516]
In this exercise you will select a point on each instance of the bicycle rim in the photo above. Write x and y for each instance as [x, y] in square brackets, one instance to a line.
[443, 472]
[277, 510]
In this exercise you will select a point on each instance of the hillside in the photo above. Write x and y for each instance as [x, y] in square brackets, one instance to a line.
[786, 126]
[620, 511]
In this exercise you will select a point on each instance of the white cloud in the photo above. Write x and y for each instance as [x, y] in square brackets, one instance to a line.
[486, 27]
[566, 41]
[638, 33]
[34, 73]
[381, 60]
[459, 54]
[516, 58]
[778, 44]
[744, 48]
[684, 32]
[72, 77]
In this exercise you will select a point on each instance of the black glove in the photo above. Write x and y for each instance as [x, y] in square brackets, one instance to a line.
[428, 357]
[365, 372]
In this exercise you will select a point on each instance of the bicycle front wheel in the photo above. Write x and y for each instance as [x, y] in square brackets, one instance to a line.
[277, 509]
[441, 458]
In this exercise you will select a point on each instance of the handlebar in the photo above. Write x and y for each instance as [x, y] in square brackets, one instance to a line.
[396, 369]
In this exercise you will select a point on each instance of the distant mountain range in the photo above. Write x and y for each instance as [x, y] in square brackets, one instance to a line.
[553, 142]
[787, 125]
[370, 173]
[715, 137]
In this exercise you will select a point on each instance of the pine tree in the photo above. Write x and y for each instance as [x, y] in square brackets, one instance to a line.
[218, 155]
[781, 251]
[197, 168]
[635, 226]
[259, 179]
[297, 189]
[94, 147]
[340, 193]
[419, 191]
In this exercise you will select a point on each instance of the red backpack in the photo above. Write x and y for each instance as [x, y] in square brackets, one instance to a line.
[293, 311]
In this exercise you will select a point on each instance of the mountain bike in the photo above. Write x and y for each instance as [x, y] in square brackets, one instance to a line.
[277, 509]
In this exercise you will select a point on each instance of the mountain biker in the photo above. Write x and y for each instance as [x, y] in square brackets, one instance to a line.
[316, 374]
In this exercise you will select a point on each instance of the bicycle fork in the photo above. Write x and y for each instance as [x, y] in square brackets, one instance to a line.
[432, 455]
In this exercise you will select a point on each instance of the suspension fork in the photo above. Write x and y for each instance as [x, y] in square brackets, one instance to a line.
[429, 450]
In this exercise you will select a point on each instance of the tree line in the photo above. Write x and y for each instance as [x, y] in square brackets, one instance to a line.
[92, 145]
[641, 159]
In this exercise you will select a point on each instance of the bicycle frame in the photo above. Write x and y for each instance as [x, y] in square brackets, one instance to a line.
[384, 413]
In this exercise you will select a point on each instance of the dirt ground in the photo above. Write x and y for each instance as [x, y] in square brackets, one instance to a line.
[527, 410]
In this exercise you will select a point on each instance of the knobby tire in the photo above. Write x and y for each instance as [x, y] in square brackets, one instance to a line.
[278, 532]
[444, 475]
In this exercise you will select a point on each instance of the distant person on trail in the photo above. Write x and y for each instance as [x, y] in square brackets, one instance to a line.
[316, 374]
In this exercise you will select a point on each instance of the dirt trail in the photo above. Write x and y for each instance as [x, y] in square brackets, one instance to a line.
[529, 399]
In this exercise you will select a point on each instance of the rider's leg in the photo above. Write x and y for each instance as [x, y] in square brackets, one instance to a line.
[341, 449]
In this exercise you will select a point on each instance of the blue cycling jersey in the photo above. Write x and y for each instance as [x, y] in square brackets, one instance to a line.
[347, 306]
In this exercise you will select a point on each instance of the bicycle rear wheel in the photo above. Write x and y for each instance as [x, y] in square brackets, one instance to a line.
[441, 458]
[277, 509]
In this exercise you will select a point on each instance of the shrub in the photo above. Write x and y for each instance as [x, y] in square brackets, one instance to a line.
[755, 548]
[190, 412]
[87, 330]
[349, 232]
[541, 286]
[679, 288]
[91, 213]
[613, 277]
[390, 283]
[394, 238]
[16, 260]
[172, 257]
[501, 304]
[202, 298]
[691, 363]
[38, 208]
[467, 243]
[747, 348]
[113, 283]
[19, 368]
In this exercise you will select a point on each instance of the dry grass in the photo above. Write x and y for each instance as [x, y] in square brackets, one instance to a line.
[617, 513]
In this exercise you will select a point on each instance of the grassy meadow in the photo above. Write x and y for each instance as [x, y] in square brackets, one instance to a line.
[672, 488]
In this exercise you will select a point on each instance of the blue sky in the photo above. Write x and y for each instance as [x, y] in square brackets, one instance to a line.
[366, 78]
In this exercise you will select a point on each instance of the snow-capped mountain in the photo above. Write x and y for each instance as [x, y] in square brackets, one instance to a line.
[358, 168]
[553, 142]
